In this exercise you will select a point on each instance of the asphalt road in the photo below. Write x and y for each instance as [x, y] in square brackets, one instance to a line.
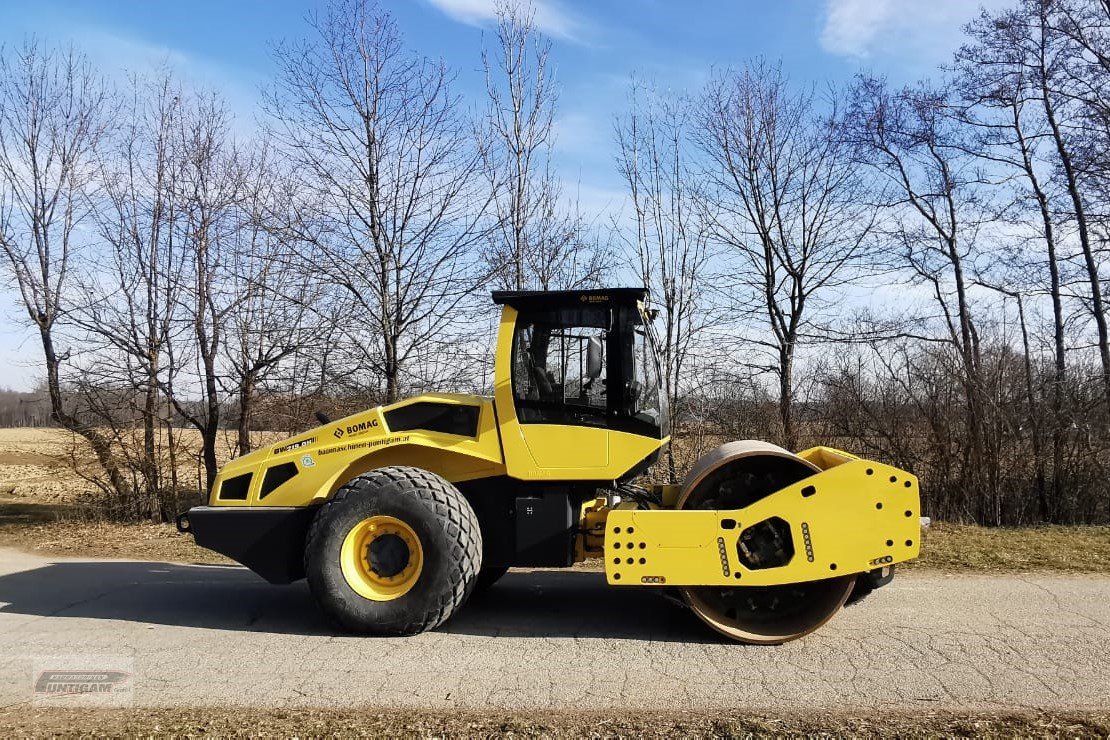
[200, 635]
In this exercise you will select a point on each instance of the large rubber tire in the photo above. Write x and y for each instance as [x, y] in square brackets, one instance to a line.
[449, 537]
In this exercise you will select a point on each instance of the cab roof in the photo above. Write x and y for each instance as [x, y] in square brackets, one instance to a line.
[553, 299]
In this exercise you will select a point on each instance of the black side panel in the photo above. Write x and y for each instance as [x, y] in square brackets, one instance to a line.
[447, 418]
[235, 489]
[276, 476]
[492, 500]
[268, 540]
[526, 524]
[544, 530]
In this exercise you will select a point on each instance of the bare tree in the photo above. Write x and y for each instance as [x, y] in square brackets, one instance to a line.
[540, 242]
[788, 201]
[934, 196]
[998, 79]
[53, 110]
[275, 314]
[207, 191]
[670, 244]
[394, 203]
[1081, 29]
[1035, 26]
[129, 300]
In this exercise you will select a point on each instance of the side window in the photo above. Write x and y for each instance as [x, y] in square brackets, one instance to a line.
[644, 391]
[559, 366]
[525, 386]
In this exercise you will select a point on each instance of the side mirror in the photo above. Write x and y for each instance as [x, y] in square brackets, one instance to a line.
[593, 358]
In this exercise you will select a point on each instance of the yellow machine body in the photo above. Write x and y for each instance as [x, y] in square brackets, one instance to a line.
[497, 445]
[546, 467]
[332, 454]
[558, 452]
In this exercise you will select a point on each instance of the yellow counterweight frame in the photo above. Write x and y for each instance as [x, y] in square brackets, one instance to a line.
[854, 516]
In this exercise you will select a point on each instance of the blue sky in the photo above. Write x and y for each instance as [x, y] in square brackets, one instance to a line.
[596, 47]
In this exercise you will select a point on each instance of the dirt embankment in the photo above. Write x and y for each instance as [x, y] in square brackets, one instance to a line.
[241, 722]
[38, 465]
[47, 506]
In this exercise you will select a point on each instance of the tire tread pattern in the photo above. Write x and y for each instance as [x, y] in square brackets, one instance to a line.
[448, 505]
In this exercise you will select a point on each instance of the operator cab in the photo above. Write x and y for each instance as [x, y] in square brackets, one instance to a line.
[580, 359]
[579, 410]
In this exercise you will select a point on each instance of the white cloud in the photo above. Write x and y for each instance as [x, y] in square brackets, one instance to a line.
[923, 30]
[549, 17]
[852, 25]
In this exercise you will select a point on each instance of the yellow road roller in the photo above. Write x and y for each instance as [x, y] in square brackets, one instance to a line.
[397, 514]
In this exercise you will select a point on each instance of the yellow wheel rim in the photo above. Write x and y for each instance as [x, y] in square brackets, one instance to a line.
[381, 558]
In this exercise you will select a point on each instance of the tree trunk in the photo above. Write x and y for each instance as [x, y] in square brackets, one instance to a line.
[786, 395]
[99, 445]
[210, 433]
[977, 463]
[209, 439]
[1034, 416]
[1059, 378]
[392, 370]
[246, 409]
[1072, 183]
[171, 446]
[153, 491]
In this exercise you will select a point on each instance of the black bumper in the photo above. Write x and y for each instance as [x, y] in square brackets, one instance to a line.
[268, 540]
[878, 577]
[868, 581]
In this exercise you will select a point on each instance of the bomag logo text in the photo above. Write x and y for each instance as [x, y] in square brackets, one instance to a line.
[362, 426]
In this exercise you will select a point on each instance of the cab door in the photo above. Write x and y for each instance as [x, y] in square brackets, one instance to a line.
[552, 392]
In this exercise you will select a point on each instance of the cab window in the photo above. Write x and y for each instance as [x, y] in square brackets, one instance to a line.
[644, 392]
[560, 366]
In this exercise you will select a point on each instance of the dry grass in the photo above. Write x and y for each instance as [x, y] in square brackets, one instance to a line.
[40, 464]
[970, 548]
[250, 722]
[54, 529]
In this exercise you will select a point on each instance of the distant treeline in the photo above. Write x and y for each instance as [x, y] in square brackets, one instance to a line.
[25, 409]
[276, 412]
